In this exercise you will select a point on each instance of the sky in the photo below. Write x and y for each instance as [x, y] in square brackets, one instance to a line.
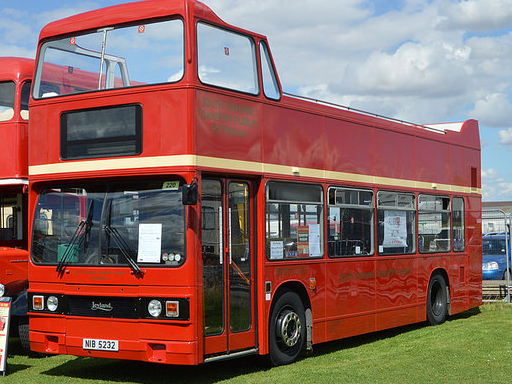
[423, 61]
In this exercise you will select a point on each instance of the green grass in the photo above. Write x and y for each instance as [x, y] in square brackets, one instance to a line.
[473, 347]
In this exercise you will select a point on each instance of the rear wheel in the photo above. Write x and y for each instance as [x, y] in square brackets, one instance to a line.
[287, 329]
[437, 307]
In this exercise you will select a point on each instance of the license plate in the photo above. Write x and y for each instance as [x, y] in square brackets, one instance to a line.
[101, 345]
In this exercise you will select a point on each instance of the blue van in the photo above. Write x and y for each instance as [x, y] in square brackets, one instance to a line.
[494, 257]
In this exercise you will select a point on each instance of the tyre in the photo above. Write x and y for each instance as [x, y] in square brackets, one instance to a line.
[287, 329]
[507, 276]
[437, 307]
[23, 332]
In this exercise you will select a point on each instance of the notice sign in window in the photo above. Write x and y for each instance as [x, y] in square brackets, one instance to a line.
[150, 243]
[5, 316]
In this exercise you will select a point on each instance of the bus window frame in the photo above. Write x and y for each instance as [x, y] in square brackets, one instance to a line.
[442, 212]
[22, 86]
[413, 236]
[370, 208]
[321, 222]
[137, 137]
[265, 55]
[37, 82]
[14, 101]
[463, 221]
[256, 60]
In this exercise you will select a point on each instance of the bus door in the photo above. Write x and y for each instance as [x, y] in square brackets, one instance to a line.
[228, 268]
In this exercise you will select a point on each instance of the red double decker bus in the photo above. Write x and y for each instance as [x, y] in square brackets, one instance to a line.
[187, 211]
[15, 82]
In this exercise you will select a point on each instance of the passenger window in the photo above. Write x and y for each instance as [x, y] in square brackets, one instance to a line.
[458, 224]
[7, 94]
[226, 59]
[433, 224]
[270, 84]
[396, 223]
[350, 222]
[25, 95]
[294, 221]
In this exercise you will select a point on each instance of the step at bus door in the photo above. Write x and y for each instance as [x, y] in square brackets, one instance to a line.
[228, 267]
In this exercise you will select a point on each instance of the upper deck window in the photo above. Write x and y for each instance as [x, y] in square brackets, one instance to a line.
[114, 57]
[270, 84]
[7, 94]
[226, 59]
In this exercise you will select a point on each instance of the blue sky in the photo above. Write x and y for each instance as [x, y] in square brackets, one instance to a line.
[424, 61]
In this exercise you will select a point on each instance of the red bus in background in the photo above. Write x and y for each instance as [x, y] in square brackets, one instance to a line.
[187, 211]
[15, 82]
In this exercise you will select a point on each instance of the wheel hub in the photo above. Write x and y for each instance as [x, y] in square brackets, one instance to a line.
[289, 328]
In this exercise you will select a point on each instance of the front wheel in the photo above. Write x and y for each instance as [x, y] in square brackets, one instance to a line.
[437, 307]
[23, 332]
[287, 329]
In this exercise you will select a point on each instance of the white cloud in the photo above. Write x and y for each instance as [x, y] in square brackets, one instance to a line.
[493, 185]
[413, 70]
[65, 11]
[506, 138]
[477, 15]
[491, 175]
[495, 110]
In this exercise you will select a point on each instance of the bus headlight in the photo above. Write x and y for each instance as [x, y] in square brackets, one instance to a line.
[52, 303]
[2, 290]
[490, 266]
[155, 308]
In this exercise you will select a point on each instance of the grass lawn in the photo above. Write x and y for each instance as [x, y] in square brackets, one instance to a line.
[473, 347]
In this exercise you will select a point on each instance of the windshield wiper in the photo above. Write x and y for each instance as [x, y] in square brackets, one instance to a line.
[82, 228]
[121, 244]
[63, 261]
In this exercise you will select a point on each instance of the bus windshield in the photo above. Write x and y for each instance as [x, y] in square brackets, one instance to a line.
[111, 57]
[110, 224]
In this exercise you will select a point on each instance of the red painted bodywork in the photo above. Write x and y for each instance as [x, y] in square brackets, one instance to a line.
[14, 174]
[288, 139]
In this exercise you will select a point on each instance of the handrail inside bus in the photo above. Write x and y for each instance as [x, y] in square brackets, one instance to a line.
[344, 107]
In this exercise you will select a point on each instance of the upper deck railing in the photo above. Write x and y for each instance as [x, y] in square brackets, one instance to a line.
[347, 108]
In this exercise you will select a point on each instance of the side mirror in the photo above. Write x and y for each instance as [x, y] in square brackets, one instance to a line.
[189, 193]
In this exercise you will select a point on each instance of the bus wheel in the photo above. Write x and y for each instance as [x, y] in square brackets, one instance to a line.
[437, 307]
[23, 332]
[287, 330]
